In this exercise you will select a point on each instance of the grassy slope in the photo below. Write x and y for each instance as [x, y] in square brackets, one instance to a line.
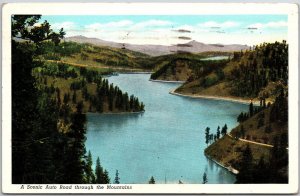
[179, 67]
[105, 58]
[221, 88]
[228, 151]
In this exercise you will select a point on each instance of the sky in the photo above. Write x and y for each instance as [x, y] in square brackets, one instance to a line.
[164, 29]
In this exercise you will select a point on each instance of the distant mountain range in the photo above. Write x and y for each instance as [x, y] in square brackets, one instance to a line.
[157, 50]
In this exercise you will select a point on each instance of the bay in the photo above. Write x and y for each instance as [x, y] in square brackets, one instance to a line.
[167, 141]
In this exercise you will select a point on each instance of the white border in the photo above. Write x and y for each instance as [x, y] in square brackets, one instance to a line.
[156, 9]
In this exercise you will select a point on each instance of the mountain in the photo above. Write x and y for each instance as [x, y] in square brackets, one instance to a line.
[157, 50]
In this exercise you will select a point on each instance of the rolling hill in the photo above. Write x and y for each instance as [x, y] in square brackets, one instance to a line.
[157, 50]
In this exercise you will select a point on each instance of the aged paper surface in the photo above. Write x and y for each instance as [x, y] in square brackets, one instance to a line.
[70, 124]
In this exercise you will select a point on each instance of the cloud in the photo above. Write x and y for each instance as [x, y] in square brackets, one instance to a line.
[152, 23]
[129, 25]
[273, 24]
[212, 24]
[66, 25]
[117, 24]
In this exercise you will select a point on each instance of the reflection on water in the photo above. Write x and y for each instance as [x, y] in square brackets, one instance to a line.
[167, 141]
[214, 58]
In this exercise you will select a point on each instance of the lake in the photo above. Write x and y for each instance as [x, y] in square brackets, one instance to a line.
[167, 141]
[215, 58]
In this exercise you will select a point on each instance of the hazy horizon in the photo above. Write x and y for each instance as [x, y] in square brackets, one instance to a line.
[175, 29]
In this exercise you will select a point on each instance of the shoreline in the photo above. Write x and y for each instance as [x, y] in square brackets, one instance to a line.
[230, 169]
[117, 113]
[168, 81]
[218, 98]
[137, 72]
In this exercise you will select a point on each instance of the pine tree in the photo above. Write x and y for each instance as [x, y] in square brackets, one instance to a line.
[251, 109]
[207, 135]
[224, 130]
[218, 132]
[34, 114]
[245, 174]
[89, 175]
[106, 179]
[205, 180]
[152, 181]
[76, 151]
[99, 172]
[117, 179]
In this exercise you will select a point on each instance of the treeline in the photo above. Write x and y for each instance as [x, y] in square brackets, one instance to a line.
[52, 51]
[266, 116]
[252, 111]
[199, 68]
[265, 63]
[274, 170]
[106, 97]
[211, 137]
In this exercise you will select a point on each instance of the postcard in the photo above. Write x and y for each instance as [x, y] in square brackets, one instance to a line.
[168, 98]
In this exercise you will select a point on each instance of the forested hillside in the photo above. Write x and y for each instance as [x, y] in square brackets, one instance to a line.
[258, 146]
[257, 73]
[185, 66]
[107, 59]
[70, 85]
[49, 101]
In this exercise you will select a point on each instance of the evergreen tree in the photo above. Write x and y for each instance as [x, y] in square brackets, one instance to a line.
[207, 135]
[34, 116]
[261, 172]
[245, 174]
[106, 179]
[218, 132]
[251, 109]
[205, 180]
[99, 172]
[89, 175]
[152, 181]
[117, 179]
[224, 130]
[75, 164]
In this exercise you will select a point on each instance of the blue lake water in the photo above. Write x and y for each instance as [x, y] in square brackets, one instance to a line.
[167, 141]
[214, 58]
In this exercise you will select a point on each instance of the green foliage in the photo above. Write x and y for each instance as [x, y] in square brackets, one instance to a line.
[205, 180]
[74, 172]
[279, 110]
[89, 175]
[101, 176]
[268, 62]
[35, 139]
[199, 68]
[117, 178]
[251, 112]
[218, 132]
[207, 135]
[245, 174]
[23, 27]
[224, 130]
[152, 181]
[209, 81]
[265, 172]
